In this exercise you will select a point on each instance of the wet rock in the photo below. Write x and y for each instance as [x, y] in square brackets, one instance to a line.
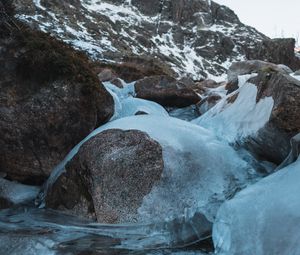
[117, 82]
[109, 176]
[203, 86]
[50, 100]
[209, 102]
[166, 91]
[273, 141]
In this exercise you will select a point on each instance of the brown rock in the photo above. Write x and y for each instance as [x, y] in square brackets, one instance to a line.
[106, 75]
[50, 100]
[278, 51]
[273, 141]
[109, 176]
[166, 91]
[209, 102]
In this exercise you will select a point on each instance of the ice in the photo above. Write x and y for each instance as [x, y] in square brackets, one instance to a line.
[17, 193]
[199, 171]
[263, 219]
[244, 117]
[126, 105]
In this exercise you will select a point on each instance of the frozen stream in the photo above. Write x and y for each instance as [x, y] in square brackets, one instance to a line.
[201, 171]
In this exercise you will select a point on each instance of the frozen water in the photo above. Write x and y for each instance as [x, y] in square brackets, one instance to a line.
[39, 231]
[263, 219]
[126, 105]
[199, 171]
[17, 193]
[242, 118]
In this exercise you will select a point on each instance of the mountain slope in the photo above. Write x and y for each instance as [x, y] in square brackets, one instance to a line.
[194, 37]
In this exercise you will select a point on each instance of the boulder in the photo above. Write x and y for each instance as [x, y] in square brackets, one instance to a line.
[166, 91]
[106, 75]
[50, 100]
[109, 177]
[278, 51]
[273, 141]
[248, 67]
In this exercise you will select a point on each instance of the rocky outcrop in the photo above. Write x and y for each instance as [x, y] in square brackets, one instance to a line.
[248, 67]
[50, 100]
[194, 37]
[278, 51]
[273, 141]
[109, 177]
[166, 91]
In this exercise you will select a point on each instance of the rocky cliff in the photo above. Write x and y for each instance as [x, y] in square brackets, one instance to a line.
[195, 38]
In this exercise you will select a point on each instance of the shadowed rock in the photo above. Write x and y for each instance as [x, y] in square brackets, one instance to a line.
[50, 100]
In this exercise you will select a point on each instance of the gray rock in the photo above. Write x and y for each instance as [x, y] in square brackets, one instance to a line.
[248, 67]
[109, 177]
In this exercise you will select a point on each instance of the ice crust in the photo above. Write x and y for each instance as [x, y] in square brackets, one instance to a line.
[263, 219]
[240, 119]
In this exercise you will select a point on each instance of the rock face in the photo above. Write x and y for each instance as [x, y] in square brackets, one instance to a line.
[278, 51]
[50, 100]
[191, 37]
[166, 91]
[109, 176]
[273, 141]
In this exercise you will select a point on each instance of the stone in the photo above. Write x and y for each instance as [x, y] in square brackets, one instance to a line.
[166, 91]
[273, 141]
[109, 177]
[50, 100]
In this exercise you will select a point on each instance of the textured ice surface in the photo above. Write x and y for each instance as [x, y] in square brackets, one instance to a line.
[242, 118]
[199, 173]
[38, 231]
[17, 193]
[263, 219]
[126, 105]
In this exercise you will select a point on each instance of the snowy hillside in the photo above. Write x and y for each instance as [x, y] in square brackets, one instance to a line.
[196, 37]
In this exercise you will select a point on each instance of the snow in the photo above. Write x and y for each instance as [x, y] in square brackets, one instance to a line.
[263, 219]
[240, 119]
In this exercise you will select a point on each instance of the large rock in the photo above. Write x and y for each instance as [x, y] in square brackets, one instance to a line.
[50, 100]
[166, 91]
[248, 67]
[273, 141]
[278, 51]
[109, 176]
